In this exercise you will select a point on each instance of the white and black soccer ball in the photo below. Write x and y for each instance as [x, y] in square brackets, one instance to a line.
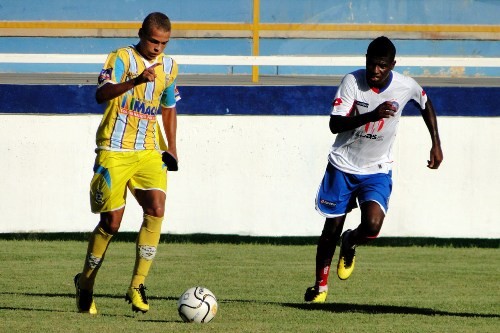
[197, 305]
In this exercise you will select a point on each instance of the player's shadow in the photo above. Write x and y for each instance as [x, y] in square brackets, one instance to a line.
[384, 309]
[71, 295]
[331, 307]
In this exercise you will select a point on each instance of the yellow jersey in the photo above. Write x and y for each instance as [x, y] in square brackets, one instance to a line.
[129, 121]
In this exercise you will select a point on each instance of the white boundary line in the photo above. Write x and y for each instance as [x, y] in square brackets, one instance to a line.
[310, 61]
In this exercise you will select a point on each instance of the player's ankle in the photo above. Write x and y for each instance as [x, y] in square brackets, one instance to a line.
[322, 288]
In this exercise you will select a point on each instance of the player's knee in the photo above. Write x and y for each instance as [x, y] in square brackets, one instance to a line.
[156, 210]
[109, 226]
[110, 221]
[371, 228]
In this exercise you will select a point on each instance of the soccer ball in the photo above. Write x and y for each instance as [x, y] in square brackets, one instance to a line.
[197, 305]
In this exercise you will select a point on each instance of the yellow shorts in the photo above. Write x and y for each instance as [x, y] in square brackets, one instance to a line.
[115, 171]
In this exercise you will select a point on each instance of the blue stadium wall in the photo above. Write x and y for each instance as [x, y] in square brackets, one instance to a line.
[241, 100]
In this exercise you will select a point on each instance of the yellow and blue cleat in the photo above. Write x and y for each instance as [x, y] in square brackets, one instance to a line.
[84, 298]
[313, 295]
[137, 296]
[347, 258]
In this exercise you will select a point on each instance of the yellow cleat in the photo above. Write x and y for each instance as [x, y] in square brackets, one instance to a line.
[84, 298]
[312, 295]
[137, 296]
[347, 258]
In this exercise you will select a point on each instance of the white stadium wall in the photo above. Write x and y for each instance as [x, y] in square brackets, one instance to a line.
[251, 158]
[251, 175]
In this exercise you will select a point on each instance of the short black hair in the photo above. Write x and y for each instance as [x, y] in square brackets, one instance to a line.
[381, 47]
[157, 20]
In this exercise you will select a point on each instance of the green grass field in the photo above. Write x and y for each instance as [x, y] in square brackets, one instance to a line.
[259, 289]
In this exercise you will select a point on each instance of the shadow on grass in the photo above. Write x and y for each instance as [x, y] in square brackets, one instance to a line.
[384, 309]
[330, 307]
[18, 308]
[97, 295]
[13, 308]
[71, 295]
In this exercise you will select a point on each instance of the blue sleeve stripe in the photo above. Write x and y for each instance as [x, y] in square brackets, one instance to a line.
[119, 69]
[169, 96]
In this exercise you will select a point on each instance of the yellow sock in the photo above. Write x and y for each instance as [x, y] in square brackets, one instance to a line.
[147, 242]
[98, 244]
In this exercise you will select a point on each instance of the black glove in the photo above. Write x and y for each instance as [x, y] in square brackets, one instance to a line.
[170, 161]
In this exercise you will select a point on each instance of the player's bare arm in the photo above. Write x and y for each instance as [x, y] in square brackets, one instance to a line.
[109, 91]
[169, 119]
[436, 153]
[340, 124]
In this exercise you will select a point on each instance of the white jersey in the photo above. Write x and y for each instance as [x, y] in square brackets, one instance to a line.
[368, 148]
